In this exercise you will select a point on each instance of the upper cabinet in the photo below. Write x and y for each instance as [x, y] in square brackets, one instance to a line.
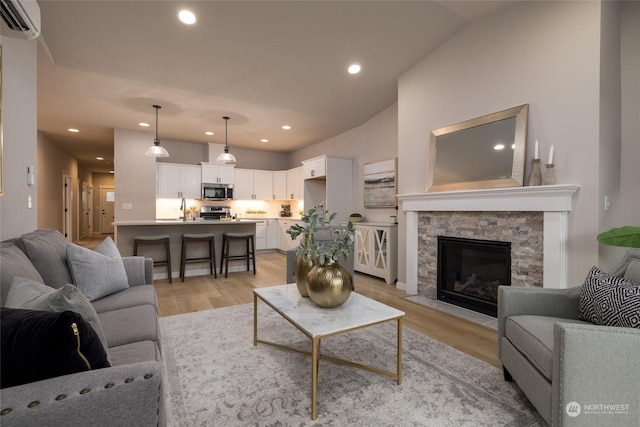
[217, 174]
[314, 168]
[334, 189]
[295, 184]
[253, 185]
[280, 185]
[173, 180]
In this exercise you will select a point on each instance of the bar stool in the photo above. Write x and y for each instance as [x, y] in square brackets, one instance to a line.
[208, 238]
[149, 240]
[250, 254]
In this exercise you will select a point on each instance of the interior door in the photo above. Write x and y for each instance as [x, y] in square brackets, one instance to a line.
[85, 211]
[107, 200]
[67, 197]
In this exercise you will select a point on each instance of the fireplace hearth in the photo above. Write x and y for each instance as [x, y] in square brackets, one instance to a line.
[469, 272]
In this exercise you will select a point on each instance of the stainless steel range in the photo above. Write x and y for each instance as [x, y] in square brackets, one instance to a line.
[214, 212]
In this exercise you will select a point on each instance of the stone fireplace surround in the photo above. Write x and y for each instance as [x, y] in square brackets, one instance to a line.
[517, 208]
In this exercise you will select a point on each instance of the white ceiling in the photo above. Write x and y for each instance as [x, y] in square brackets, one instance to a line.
[263, 63]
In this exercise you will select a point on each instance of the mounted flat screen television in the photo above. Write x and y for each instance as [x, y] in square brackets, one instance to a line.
[485, 152]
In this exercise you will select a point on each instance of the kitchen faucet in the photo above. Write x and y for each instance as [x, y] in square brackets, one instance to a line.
[183, 206]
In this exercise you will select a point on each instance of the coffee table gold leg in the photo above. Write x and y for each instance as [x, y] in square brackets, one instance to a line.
[255, 320]
[400, 350]
[314, 377]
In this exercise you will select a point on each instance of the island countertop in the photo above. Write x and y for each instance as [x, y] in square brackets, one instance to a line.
[187, 222]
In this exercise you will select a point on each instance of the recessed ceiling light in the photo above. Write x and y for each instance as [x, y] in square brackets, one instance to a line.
[73, 130]
[187, 17]
[208, 133]
[286, 127]
[143, 124]
[99, 158]
[264, 140]
[354, 69]
[498, 147]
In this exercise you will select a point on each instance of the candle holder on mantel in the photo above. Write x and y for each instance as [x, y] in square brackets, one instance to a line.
[536, 175]
[549, 175]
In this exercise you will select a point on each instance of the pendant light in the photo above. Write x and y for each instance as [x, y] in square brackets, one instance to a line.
[226, 157]
[156, 150]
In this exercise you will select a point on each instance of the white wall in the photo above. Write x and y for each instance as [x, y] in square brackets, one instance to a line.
[627, 205]
[134, 175]
[546, 54]
[19, 120]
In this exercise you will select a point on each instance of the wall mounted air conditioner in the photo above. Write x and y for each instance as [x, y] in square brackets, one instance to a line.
[20, 19]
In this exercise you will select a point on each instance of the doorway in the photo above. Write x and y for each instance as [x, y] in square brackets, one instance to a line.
[107, 200]
[67, 196]
[85, 214]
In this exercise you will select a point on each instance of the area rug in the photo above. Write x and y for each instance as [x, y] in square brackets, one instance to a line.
[216, 377]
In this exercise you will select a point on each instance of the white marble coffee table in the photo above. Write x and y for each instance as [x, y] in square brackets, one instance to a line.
[317, 323]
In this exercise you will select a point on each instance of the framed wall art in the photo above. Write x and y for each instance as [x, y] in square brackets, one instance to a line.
[380, 184]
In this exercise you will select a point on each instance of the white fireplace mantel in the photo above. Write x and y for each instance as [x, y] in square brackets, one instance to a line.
[554, 200]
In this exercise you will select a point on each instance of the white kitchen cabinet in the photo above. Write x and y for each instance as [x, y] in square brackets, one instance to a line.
[295, 184]
[314, 168]
[267, 234]
[217, 174]
[280, 185]
[174, 180]
[273, 234]
[334, 190]
[285, 239]
[253, 185]
[376, 250]
[261, 235]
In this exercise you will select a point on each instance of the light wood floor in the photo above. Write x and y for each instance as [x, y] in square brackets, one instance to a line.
[205, 292]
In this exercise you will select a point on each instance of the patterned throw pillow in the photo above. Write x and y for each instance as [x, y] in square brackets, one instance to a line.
[609, 300]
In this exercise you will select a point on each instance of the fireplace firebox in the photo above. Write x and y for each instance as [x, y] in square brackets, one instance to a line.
[470, 271]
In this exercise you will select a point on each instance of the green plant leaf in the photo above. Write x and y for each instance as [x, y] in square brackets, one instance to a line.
[627, 236]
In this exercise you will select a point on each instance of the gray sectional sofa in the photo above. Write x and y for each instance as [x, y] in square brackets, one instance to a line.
[574, 352]
[130, 391]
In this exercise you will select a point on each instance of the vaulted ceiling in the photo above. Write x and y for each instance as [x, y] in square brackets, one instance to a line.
[103, 64]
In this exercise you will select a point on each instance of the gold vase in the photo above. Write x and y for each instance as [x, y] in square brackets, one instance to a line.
[304, 264]
[329, 285]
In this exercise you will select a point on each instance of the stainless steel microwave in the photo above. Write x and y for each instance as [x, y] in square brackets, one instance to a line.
[217, 191]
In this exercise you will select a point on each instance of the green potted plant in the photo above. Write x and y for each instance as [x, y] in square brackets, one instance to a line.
[627, 236]
[314, 218]
[327, 282]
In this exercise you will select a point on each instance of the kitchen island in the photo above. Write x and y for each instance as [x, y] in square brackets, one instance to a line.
[125, 231]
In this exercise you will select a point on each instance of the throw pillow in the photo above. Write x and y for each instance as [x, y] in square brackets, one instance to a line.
[13, 263]
[27, 294]
[97, 273]
[47, 250]
[609, 300]
[37, 345]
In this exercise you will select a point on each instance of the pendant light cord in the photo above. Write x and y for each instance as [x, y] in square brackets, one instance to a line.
[226, 133]
[157, 140]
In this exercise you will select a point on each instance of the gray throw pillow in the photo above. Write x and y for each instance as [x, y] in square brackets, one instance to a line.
[97, 273]
[29, 295]
[47, 250]
[633, 271]
[14, 263]
[609, 300]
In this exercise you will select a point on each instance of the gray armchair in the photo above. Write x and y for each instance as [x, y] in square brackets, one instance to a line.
[575, 373]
